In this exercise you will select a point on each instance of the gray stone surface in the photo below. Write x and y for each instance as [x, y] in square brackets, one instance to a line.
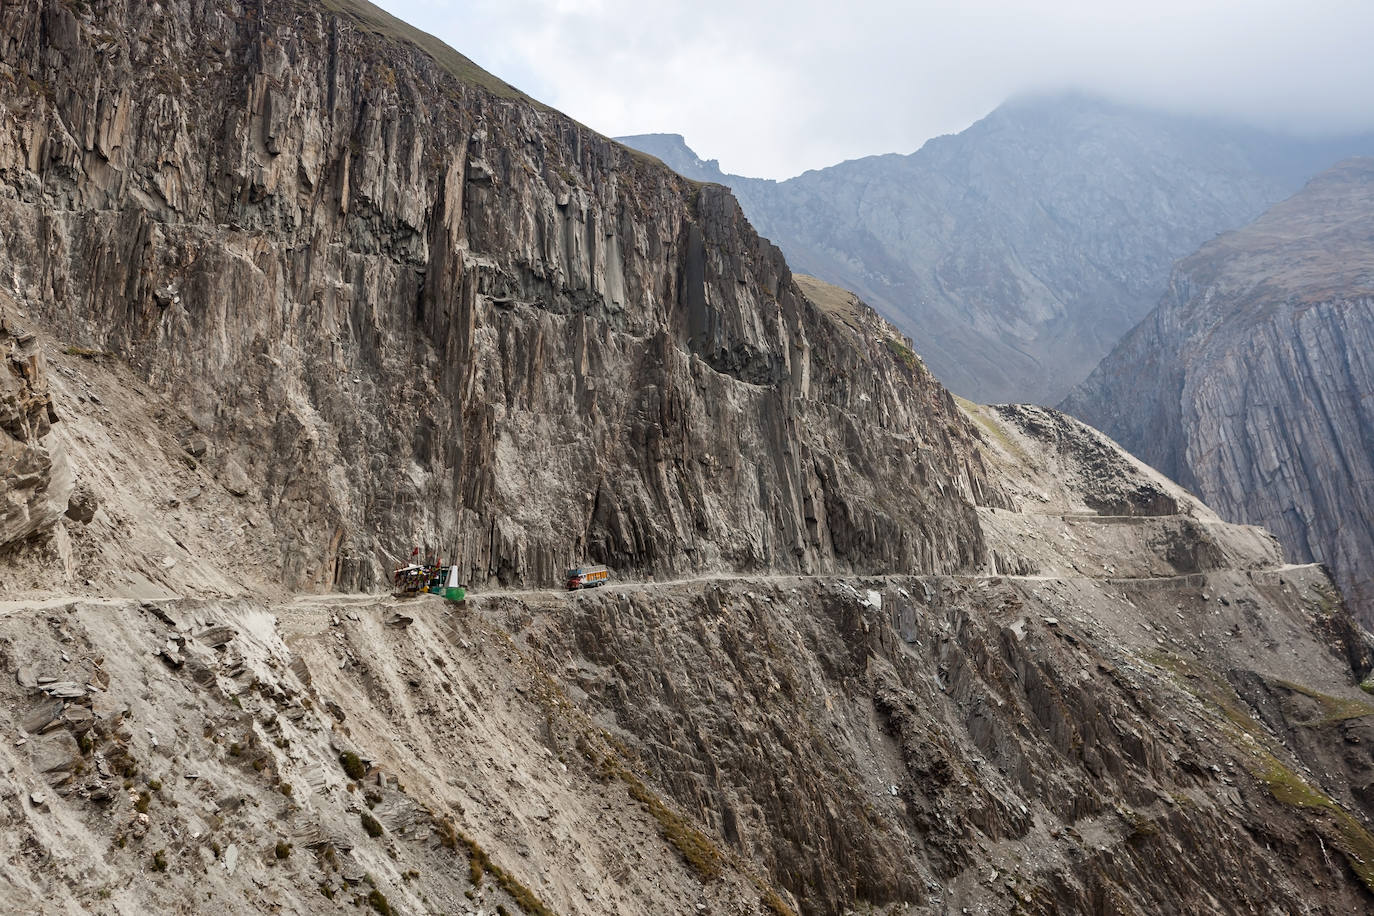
[1017, 252]
[1251, 382]
[892, 646]
[35, 476]
[470, 325]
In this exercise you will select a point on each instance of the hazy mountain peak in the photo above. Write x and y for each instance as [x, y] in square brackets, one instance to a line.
[673, 151]
[1018, 251]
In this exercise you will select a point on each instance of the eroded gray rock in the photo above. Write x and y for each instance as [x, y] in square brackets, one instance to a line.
[35, 477]
[1249, 384]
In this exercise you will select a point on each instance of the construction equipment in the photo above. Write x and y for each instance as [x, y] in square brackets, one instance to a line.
[587, 577]
[430, 578]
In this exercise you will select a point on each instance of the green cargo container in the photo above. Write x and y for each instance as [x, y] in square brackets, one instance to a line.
[452, 590]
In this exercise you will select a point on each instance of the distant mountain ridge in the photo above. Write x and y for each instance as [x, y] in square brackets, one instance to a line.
[1251, 383]
[1017, 252]
[672, 150]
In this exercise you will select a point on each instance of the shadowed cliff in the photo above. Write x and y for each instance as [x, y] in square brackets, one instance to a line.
[1250, 383]
[291, 289]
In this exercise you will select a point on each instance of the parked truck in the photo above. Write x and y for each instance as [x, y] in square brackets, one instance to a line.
[587, 577]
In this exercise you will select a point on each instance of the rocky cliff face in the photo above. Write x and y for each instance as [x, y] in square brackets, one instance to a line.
[402, 306]
[1133, 707]
[1017, 253]
[37, 477]
[1250, 382]
[331, 290]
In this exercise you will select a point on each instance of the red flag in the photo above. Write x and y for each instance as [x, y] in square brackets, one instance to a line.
[415, 552]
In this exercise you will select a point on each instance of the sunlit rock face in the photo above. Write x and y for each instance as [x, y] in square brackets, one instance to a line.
[406, 305]
[310, 289]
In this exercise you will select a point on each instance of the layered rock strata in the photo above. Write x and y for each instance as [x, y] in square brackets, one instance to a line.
[35, 477]
[1017, 252]
[1250, 383]
[1152, 714]
[332, 290]
[404, 305]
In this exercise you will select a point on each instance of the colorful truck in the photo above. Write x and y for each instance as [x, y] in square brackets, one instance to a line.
[587, 577]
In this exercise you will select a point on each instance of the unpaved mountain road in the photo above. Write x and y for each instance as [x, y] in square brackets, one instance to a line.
[333, 601]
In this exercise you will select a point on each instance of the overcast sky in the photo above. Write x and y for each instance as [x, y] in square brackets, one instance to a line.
[774, 88]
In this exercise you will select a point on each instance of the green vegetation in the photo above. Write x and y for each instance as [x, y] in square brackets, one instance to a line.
[371, 825]
[160, 860]
[694, 846]
[282, 850]
[377, 900]
[477, 865]
[836, 302]
[141, 805]
[904, 354]
[705, 858]
[772, 902]
[1327, 602]
[1334, 709]
[352, 765]
[1287, 787]
[448, 834]
[979, 415]
[480, 865]
[84, 352]
[609, 755]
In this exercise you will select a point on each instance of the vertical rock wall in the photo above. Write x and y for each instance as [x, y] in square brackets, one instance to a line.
[407, 306]
[35, 477]
[1250, 383]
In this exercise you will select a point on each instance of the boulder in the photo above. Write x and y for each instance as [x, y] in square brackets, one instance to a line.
[55, 753]
[234, 478]
[82, 504]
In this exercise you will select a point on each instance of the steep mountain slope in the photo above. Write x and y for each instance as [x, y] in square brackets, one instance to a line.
[1133, 707]
[1016, 253]
[1250, 383]
[453, 318]
[288, 293]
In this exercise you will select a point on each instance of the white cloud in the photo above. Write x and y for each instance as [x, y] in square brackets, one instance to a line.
[772, 88]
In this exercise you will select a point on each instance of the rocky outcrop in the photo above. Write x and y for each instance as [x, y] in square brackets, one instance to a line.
[1250, 382]
[1151, 714]
[404, 306]
[35, 477]
[312, 288]
[1018, 252]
